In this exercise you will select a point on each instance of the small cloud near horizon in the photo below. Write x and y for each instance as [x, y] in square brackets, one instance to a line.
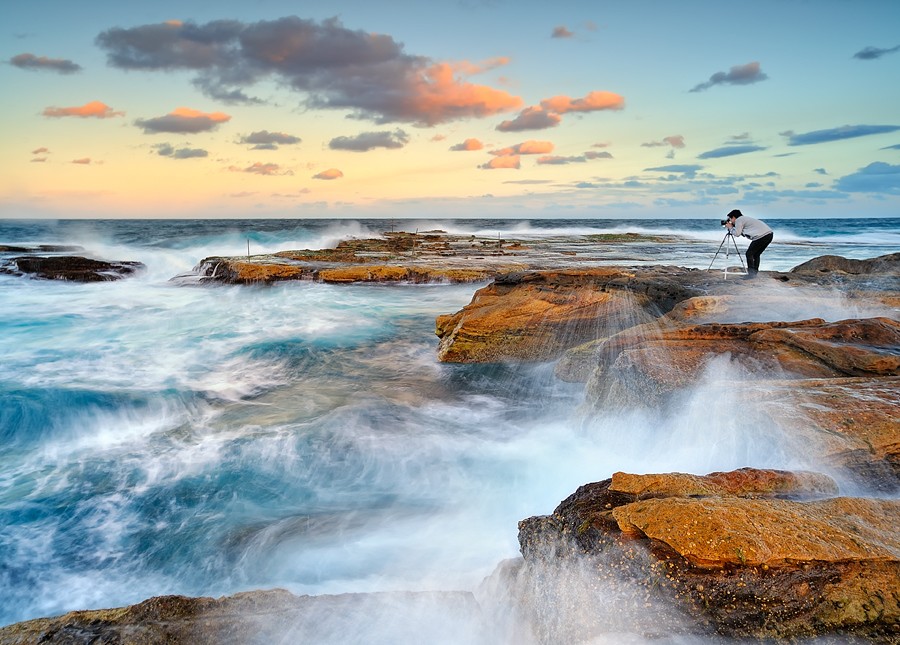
[367, 141]
[836, 134]
[31, 62]
[183, 120]
[467, 146]
[266, 169]
[509, 162]
[265, 140]
[729, 151]
[166, 150]
[525, 148]
[878, 178]
[331, 173]
[561, 31]
[871, 53]
[737, 75]
[84, 161]
[93, 109]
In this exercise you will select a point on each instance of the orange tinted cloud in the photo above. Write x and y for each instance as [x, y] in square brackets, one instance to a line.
[259, 168]
[591, 103]
[467, 146]
[183, 120]
[331, 173]
[532, 118]
[437, 96]
[506, 161]
[83, 162]
[525, 148]
[94, 109]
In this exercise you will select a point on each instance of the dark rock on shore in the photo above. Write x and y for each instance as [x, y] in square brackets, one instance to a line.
[69, 267]
[750, 553]
[262, 617]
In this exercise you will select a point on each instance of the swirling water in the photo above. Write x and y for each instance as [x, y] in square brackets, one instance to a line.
[160, 439]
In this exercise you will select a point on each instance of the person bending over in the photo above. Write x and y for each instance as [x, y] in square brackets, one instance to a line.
[760, 235]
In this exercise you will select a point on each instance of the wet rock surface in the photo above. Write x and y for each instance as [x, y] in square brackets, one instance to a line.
[275, 616]
[68, 267]
[748, 553]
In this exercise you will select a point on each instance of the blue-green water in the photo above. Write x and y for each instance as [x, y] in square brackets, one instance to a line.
[158, 438]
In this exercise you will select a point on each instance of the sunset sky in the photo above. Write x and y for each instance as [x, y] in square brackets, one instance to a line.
[466, 108]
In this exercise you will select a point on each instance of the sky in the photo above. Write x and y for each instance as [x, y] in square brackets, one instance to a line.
[461, 108]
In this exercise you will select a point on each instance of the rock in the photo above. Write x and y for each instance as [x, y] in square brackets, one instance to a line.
[536, 316]
[885, 264]
[646, 364]
[756, 554]
[72, 268]
[275, 616]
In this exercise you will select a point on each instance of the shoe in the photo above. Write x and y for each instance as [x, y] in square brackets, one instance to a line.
[748, 276]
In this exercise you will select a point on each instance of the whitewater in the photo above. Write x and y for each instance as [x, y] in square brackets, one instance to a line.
[157, 438]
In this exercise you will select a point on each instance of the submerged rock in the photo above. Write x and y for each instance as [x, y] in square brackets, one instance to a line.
[750, 553]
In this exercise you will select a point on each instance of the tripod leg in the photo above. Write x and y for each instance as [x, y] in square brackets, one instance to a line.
[738, 253]
[717, 252]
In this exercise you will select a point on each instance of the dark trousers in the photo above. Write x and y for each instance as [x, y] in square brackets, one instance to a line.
[755, 250]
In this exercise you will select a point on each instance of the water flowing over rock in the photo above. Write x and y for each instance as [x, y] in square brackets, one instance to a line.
[262, 617]
[748, 553]
[68, 267]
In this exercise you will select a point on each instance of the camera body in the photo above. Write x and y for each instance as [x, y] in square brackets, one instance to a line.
[723, 222]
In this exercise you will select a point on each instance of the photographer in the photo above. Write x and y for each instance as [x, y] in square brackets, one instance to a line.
[760, 236]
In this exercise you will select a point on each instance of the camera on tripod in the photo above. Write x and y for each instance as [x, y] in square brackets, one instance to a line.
[723, 222]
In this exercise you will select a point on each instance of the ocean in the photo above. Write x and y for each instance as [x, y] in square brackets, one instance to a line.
[159, 438]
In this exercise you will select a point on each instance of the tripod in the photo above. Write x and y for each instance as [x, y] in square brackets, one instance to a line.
[728, 234]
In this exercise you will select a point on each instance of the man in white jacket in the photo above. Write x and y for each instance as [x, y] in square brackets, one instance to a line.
[760, 235]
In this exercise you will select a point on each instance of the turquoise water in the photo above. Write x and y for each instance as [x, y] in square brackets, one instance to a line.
[159, 438]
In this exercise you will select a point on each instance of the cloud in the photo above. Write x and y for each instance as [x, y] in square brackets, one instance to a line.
[683, 169]
[267, 169]
[506, 161]
[871, 53]
[559, 161]
[593, 102]
[37, 63]
[729, 151]
[166, 150]
[94, 109]
[467, 145]
[532, 118]
[265, 140]
[525, 148]
[334, 67]
[561, 32]
[82, 162]
[676, 141]
[737, 75]
[331, 173]
[896, 146]
[41, 151]
[183, 120]
[39, 160]
[877, 177]
[370, 140]
[836, 134]
[548, 113]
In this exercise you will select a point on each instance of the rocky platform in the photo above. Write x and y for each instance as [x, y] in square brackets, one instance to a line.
[430, 256]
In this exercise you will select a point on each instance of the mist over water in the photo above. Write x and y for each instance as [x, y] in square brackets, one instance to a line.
[161, 439]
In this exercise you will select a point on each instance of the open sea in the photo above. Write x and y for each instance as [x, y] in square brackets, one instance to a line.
[158, 438]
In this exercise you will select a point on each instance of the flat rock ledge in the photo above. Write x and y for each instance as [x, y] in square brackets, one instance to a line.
[749, 554]
[426, 257]
[53, 262]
